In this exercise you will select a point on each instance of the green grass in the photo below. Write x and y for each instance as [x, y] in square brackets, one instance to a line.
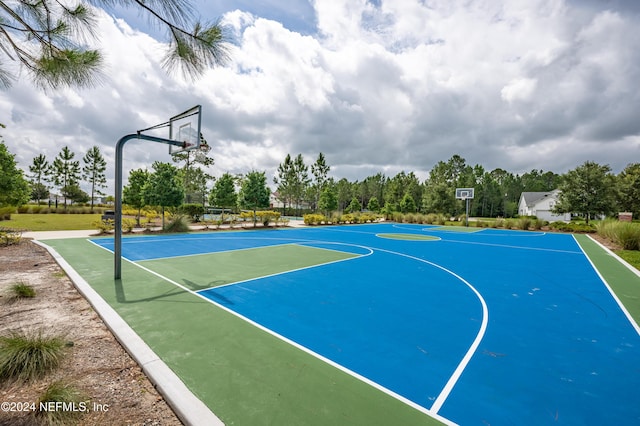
[50, 222]
[631, 256]
[62, 392]
[29, 355]
[22, 290]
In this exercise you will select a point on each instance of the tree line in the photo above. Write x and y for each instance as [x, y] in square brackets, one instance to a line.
[590, 189]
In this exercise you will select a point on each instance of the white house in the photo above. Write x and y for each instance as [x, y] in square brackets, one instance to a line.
[540, 205]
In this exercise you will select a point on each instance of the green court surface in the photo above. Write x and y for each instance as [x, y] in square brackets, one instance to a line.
[622, 280]
[408, 237]
[244, 374]
[251, 377]
[240, 265]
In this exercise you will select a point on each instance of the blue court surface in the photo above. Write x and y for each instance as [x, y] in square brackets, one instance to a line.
[491, 327]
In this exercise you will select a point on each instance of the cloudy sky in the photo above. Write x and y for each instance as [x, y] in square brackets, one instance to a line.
[377, 86]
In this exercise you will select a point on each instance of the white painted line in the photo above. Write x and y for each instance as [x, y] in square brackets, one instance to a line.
[184, 403]
[613, 294]
[444, 394]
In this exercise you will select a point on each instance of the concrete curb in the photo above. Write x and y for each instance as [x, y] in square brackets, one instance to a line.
[189, 409]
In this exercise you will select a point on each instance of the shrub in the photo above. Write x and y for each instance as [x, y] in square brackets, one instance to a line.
[65, 393]
[177, 223]
[626, 234]
[313, 219]
[523, 223]
[10, 236]
[194, 211]
[22, 290]
[6, 212]
[128, 224]
[267, 216]
[29, 356]
[104, 226]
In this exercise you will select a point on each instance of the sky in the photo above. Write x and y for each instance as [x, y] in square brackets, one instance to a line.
[376, 86]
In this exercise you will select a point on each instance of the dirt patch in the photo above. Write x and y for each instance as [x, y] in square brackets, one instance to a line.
[118, 390]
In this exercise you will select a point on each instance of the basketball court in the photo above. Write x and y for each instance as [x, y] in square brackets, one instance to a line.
[382, 323]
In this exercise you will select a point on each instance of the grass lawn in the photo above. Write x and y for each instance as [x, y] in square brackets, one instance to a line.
[631, 256]
[50, 222]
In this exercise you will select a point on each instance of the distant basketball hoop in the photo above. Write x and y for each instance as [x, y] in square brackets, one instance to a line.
[465, 194]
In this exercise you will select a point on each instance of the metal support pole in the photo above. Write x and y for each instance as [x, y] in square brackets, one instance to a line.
[467, 215]
[117, 248]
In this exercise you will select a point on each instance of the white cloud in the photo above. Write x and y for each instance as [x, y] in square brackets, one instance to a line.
[519, 89]
[400, 86]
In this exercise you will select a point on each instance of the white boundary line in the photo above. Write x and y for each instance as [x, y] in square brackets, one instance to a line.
[433, 412]
[190, 409]
[444, 394]
[613, 294]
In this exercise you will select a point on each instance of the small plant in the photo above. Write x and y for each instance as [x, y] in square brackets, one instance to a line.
[29, 356]
[104, 226]
[61, 393]
[22, 290]
[178, 223]
[128, 224]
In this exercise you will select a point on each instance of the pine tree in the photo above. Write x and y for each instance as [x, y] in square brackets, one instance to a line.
[93, 172]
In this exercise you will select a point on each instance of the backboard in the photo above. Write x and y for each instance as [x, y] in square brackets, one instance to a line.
[185, 128]
[464, 193]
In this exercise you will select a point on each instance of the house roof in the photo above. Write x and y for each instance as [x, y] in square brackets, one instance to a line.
[532, 198]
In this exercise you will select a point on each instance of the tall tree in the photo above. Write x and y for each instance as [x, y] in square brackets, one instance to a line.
[328, 201]
[93, 172]
[48, 38]
[254, 193]
[345, 193]
[588, 189]
[39, 171]
[319, 170]
[132, 193]
[285, 180]
[224, 193]
[301, 180]
[194, 177]
[66, 171]
[163, 188]
[629, 189]
[14, 188]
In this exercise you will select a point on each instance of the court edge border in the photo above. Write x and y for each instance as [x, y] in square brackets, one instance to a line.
[624, 263]
[189, 409]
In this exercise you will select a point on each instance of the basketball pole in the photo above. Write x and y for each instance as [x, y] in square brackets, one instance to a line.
[117, 248]
[467, 213]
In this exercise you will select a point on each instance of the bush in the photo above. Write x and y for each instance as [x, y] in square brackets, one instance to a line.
[194, 211]
[6, 212]
[9, 236]
[22, 290]
[177, 223]
[626, 234]
[267, 216]
[523, 223]
[313, 219]
[128, 224]
[65, 393]
[104, 226]
[29, 356]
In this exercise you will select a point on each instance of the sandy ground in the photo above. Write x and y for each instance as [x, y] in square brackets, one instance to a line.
[119, 392]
